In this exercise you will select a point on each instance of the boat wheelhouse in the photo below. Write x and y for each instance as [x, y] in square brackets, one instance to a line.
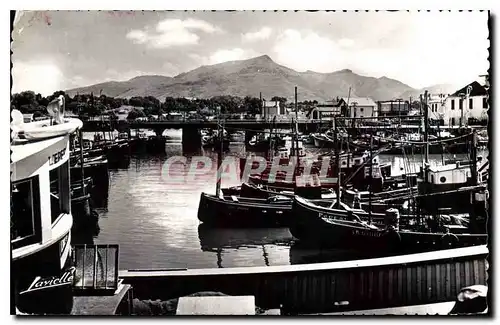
[41, 218]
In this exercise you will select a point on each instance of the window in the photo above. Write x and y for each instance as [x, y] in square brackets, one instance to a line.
[59, 191]
[452, 104]
[461, 104]
[25, 224]
[471, 106]
[485, 103]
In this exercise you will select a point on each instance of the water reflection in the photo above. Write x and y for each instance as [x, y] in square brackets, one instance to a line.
[212, 238]
[218, 240]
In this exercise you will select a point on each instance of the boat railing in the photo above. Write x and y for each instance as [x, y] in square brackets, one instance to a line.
[426, 257]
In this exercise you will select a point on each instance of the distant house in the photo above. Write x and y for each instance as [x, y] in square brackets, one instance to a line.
[328, 110]
[468, 105]
[393, 107]
[361, 107]
[122, 111]
[175, 116]
[272, 108]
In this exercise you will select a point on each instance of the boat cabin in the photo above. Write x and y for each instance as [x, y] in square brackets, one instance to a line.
[449, 174]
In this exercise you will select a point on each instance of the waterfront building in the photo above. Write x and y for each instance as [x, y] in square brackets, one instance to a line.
[466, 106]
[393, 107]
[270, 109]
[361, 107]
[326, 111]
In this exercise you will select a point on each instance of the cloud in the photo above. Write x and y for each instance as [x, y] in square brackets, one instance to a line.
[232, 55]
[172, 32]
[175, 24]
[262, 34]
[346, 42]
[223, 55]
[307, 51]
[41, 77]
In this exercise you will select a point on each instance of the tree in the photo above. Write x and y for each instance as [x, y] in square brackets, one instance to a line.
[135, 113]
[252, 105]
[279, 99]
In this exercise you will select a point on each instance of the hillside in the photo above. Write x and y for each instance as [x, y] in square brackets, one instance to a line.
[436, 89]
[249, 77]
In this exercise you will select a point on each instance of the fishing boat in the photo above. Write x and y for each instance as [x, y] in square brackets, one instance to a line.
[97, 169]
[116, 150]
[427, 228]
[355, 168]
[324, 139]
[265, 191]
[344, 228]
[257, 207]
[41, 217]
[232, 211]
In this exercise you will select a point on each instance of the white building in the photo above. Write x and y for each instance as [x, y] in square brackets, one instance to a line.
[361, 107]
[272, 108]
[467, 105]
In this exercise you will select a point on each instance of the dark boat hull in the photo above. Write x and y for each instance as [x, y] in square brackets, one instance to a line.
[310, 223]
[323, 142]
[247, 213]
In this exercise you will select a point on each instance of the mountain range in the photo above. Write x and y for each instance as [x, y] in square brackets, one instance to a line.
[255, 75]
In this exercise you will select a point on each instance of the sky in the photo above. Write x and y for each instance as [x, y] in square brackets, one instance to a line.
[63, 50]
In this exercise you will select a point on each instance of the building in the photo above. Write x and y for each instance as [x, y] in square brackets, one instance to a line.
[395, 107]
[328, 110]
[436, 102]
[272, 108]
[466, 106]
[361, 107]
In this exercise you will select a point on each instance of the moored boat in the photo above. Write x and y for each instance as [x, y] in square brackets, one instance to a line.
[331, 227]
[41, 217]
[232, 211]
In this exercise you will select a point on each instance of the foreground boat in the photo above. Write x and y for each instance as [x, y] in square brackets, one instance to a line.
[41, 217]
[396, 281]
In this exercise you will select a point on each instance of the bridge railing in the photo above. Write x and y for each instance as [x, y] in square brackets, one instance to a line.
[227, 120]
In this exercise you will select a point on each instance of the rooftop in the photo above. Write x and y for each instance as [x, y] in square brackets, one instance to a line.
[360, 101]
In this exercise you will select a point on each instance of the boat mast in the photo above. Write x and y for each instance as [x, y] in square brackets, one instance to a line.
[219, 154]
[297, 128]
[337, 159]
[371, 181]
[473, 157]
[80, 137]
[426, 127]
[348, 133]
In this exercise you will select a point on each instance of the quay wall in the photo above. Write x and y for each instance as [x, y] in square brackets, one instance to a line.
[423, 278]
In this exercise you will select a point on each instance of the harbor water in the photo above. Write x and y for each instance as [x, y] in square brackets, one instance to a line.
[151, 213]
